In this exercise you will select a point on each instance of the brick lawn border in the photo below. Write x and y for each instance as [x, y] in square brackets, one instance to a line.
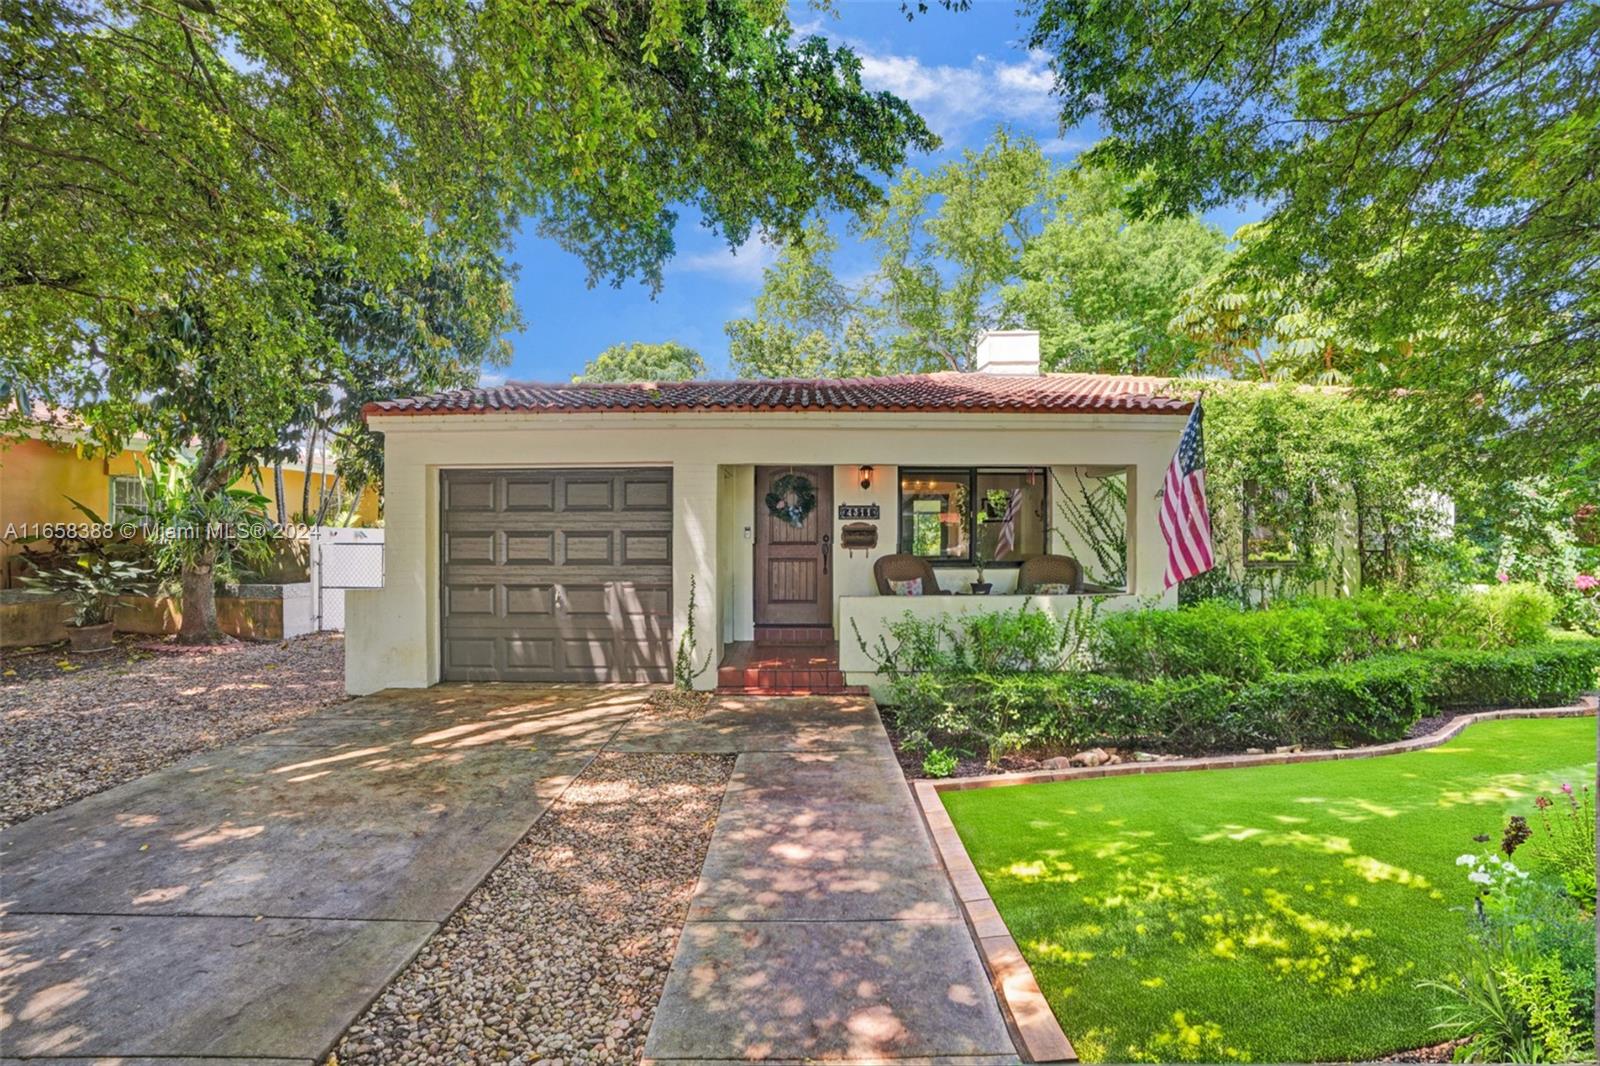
[1033, 1024]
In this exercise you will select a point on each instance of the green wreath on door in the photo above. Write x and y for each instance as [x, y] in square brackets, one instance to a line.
[792, 499]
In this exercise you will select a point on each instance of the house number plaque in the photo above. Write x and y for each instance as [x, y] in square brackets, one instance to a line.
[858, 510]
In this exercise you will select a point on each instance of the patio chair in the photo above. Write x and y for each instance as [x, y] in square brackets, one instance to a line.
[906, 568]
[1049, 570]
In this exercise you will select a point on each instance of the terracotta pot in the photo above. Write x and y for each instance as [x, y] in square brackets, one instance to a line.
[84, 639]
[981, 588]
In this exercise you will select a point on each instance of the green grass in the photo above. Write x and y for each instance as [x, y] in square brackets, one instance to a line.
[1279, 913]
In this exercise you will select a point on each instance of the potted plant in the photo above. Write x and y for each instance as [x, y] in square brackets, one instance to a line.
[980, 587]
[92, 584]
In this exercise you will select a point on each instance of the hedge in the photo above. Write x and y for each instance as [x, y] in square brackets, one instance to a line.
[1369, 701]
[1536, 676]
[1247, 645]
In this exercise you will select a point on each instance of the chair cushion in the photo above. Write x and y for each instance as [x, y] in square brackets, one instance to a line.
[912, 587]
[1053, 588]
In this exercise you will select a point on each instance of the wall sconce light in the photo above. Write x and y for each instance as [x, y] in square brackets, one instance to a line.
[866, 476]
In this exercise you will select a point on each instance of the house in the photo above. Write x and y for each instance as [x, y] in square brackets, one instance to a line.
[560, 532]
[44, 467]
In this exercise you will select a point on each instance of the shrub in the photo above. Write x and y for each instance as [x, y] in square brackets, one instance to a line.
[1208, 638]
[1538, 675]
[1510, 615]
[1374, 700]
[1353, 704]
[1024, 640]
[1214, 637]
[940, 762]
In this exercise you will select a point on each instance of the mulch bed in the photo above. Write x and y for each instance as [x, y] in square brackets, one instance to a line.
[562, 953]
[68, 733]
[21, 665]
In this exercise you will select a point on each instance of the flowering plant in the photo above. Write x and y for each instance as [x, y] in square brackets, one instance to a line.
[1566, 841]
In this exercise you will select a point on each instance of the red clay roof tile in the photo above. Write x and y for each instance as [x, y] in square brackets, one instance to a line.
[946, 391]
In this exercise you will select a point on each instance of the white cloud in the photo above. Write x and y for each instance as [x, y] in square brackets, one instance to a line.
[487, 380]
[1065, 145]
[742, 264]
[955, 99]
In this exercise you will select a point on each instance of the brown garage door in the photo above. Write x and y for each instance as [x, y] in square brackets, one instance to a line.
[557, 575]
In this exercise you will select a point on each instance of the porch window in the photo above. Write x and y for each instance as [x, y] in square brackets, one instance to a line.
[956, 516]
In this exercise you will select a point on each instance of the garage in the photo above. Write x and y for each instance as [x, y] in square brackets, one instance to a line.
[556, 575]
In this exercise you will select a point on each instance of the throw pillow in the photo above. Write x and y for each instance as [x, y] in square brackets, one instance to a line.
[912, 587]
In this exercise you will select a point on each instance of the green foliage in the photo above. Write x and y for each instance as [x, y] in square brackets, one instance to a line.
[1325, 455]
[1097, 516]
[807, 323]
[93, 583]
[1213, 677]
[638, 361]
[940, 762]
[1374, 700]
[1565, 842]
[1102, 286]
[1020, 640]
[221, 148]
[1533, 676]
[1430, 163]
[226, 532]
[1359, 703]
[1525, 988]
[998, 237]
[684, 669]
[1219, 638]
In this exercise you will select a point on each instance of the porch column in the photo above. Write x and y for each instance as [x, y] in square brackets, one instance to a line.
[694, 555]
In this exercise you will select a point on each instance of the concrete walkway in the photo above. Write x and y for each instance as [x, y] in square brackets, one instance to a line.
[822, 927]
[249, 902]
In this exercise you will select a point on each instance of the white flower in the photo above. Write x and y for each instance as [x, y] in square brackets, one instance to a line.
[1495, 859]
[1466, 860]
[1481, 877]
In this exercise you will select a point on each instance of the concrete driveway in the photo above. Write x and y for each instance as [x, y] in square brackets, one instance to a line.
[249, 902]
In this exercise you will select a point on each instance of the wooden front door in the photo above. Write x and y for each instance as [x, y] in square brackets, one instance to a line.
[794, 585]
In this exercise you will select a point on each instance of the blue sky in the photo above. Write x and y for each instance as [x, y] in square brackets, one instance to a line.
[964, 72]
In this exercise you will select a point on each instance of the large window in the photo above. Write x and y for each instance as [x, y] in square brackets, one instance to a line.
[961, 515]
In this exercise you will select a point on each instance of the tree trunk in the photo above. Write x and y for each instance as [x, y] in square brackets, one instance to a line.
[200, 603]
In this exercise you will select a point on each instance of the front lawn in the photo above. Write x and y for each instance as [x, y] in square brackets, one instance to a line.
[1277, 913]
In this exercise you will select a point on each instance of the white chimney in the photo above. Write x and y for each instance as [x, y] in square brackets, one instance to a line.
[1008, 351]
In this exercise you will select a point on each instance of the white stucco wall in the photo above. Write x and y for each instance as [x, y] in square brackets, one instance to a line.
[392, 634]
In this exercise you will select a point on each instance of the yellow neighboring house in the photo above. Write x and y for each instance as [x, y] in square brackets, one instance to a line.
[45, 464]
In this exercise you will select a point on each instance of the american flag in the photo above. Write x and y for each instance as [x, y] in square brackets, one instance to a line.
[1185, 522]
[1008, 529]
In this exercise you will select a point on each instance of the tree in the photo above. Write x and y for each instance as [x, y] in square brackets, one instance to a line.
[668, 361]
[147, 144]
[950, 238]
[1102, 288]
[807, 323]
[1432, 164]
[227, 226]
[1001, 237]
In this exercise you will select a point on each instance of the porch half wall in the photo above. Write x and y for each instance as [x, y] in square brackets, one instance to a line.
[393, 633]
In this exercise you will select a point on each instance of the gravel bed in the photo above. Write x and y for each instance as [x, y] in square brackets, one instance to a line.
[560, 955]
[67, 736]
